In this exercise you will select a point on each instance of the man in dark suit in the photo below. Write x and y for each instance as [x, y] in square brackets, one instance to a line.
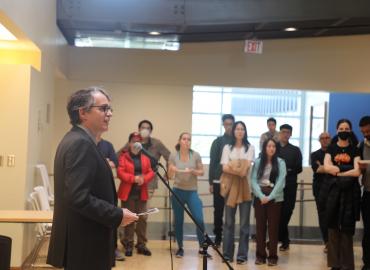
[85, 213]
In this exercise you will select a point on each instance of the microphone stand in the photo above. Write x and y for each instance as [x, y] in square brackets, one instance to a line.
[207, 240]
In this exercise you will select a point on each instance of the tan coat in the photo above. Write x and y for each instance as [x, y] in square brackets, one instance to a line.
[235, 189]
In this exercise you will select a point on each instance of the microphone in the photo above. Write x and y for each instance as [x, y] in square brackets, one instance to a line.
[139, 147]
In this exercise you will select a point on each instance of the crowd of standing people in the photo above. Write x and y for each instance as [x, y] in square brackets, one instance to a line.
[85, 196]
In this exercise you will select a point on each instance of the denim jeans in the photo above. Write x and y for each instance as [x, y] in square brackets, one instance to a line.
[192, 200]
[229, 228]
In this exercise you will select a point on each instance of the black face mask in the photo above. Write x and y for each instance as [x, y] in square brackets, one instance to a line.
[344, 135]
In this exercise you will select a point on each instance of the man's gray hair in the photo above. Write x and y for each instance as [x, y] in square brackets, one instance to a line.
[84, 99]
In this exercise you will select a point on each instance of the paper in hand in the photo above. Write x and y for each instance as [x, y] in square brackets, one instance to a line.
[149, 212]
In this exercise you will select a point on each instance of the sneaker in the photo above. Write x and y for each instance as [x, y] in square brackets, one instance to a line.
[128, 252]
[144, 251]
[228, 260]
[284, 247]
[272, 262]
[119, 256]
[260, 261]
[241, 261]
[201, 253]
[180, 253]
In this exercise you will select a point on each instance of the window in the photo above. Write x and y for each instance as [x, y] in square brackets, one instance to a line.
[253, 106]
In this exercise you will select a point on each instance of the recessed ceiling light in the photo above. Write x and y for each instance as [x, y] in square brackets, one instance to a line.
[154, 33]
[290, 29]
[5, 34]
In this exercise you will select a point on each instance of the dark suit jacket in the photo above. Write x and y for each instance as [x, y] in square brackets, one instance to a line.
[85, 213]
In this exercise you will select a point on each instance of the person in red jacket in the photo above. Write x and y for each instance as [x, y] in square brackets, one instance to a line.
[135, 172]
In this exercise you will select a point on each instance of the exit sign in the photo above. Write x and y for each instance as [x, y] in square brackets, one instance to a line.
[253, 46]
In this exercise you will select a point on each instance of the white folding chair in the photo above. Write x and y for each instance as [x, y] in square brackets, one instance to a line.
[43, 202]
[33, 199]
[46, 181]
[43, 229]
[42, 198]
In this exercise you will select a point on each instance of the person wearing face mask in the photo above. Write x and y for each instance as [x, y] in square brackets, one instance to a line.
[364, 147]
[135, 172]
[154, 146]
[342, 192]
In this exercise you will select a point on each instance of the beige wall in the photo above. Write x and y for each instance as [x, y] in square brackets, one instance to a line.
[168, 107]
[34, 91]
[158, 85]
[336, 63]
[14, 104]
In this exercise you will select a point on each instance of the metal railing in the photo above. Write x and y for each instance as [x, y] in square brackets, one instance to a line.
[302, 187]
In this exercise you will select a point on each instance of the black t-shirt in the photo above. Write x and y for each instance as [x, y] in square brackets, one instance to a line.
[343, 157]
[293, 160]
[317, 158]
[136, 189]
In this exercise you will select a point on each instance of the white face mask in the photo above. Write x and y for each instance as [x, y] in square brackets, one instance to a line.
[145, 133]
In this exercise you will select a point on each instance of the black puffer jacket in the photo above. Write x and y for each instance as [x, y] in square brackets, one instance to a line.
[340, 199]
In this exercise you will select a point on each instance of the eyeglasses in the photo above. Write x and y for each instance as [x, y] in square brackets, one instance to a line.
[103, 108]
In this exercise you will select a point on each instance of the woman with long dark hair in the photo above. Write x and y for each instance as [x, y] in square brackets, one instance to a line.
[268, 181]
[342, 206]
[236, 160]
[185, 165]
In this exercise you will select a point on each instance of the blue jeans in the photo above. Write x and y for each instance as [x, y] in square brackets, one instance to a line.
[195, 205]
[229, 228]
